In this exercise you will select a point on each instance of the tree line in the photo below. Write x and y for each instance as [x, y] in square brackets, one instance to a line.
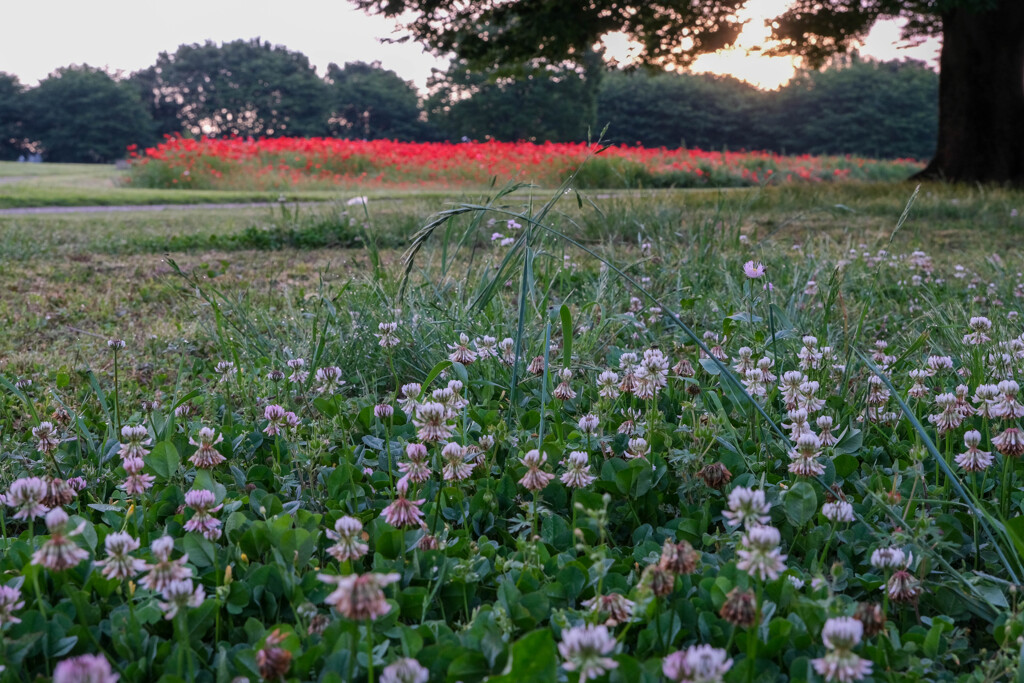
[84, 114]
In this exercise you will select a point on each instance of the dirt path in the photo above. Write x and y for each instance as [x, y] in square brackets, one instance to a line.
[137, 207]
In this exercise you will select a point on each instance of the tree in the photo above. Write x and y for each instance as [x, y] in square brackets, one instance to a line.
[556, 103]
[981, 85]
[245, 87]
[368, 102]
[674, 110]
[81, 114]
[12, 102]
[870, 108]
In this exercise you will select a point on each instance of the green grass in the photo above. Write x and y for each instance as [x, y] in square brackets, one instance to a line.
[99, 271]
[258, 286]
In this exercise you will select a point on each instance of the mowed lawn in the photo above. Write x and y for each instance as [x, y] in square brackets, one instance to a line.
[70, 280]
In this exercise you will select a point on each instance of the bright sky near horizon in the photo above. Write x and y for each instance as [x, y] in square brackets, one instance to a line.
[39, 36]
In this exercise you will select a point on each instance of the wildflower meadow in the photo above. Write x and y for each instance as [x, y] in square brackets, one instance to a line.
[315, 163]
[539, 436]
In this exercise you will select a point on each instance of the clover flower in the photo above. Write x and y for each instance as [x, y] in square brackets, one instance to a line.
[838, 511]
[359, 597]
[804, 456]
[417, 470]
[432, 422]
[347, 537]
[607, 385]
[486, 347]
[409, 397]
[387, 337]
[715, 475]
[585, 649]
[329, 380]
[58, 492]
[588, 424]
[888, 558]
[402, 512]
[461, 353]
[980, 326]
[798, 424]
[678, 558]
[179, 594]
[456, 467]
[697, 664]
[656, 365]
[825, 436]
[405, 670]
[119, 563]
[740, 608]
[950, 418]
[918, 390]
[938, 364]
[974, 459]
[760, 555]
[84, 669]
[744, 360]
[878, 393]
[165, 571]
[46, 437]
[809, 355]
[272, 661]
[505, 350]
[136, 483]
[134, 439]
[535, 478]
[985, 396]
[841, 635]
[790, 384]
[564, 392]
[1010, 442]
[275, 417]
[59, 552]
[637, 447]
[1006, 404]
[10, 600]
[577, 473]
[903, 586]
[206, 457]
[747, 507]
[618, 608]
[203, 521]
[299, 375]
[27, 494]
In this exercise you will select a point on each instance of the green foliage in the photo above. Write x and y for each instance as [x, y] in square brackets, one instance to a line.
[864, 107]
[12, 99]
[237, 88]
[877, 109]
[369, 102]
[555, 104]
[682, 110]
[81, 114]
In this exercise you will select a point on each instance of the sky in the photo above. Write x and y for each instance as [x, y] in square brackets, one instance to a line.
[38, 36]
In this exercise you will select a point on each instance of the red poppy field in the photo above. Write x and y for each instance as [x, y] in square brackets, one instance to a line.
[324, 163]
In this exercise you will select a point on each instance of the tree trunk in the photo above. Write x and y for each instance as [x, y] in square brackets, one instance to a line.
[981, 96]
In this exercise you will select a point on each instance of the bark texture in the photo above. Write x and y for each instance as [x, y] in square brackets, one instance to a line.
[981, 97]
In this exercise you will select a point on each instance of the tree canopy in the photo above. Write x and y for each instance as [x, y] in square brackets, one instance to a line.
[555, 104]
[12, 102]
[245, 87]
[981, 92]
[81, 114]
[366, 101]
